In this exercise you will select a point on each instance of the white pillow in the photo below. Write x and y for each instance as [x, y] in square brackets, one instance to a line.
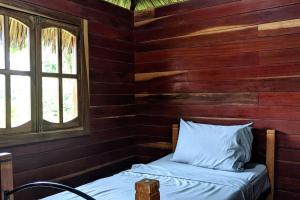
[213, 146]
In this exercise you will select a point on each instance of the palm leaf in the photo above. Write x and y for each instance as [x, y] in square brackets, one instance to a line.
[1, 25]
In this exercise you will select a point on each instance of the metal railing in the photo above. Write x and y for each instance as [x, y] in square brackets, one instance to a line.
[62, 187]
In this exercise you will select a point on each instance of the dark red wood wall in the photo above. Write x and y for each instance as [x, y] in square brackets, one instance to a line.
[212, 61]
[224, 62]
[109, 148]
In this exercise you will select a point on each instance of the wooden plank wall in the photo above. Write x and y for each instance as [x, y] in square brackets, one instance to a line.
[109, 148]
[224, 62]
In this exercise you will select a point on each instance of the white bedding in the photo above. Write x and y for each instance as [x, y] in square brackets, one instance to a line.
[178, 181]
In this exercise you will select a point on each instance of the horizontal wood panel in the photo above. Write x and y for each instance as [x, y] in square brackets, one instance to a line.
[289, 128]
[280, 98]
[111, 88]
[289, 70]
[198, 40]
[282, 31]
[291, 184]
[113, 21]
[105, 66]
[153, 131]
[141, 139]
[145, 159]
[288, 154]
[289, 141]
[55, 171]
[98, 28]
[253, 72]
[108, 77]
[219, 37]
[179, 8]
[269, 85]
[279, 56]
[46, 147]
[246, 19]
[288, 169]
[211, 12]
[38, 160]
[197, 98]
[197, 62]
[153, 152]
[108, 54]
[280, 194]
[223, 111]
[111, 122]
[108, 43]
[98, 99]
[108, 111]
[248, 45]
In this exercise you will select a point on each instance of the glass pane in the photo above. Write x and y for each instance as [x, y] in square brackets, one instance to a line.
[19, 45]
[2, 102]
[2, 61]
[50, 50]
[70, 99]
[51, 99]
[20, 100]
[69, 54]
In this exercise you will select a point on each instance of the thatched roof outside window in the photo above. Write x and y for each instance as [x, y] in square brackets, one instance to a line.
[139, 5]
[18, 33]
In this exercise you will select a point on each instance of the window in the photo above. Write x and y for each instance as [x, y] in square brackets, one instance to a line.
[40, 74]
[59, 74]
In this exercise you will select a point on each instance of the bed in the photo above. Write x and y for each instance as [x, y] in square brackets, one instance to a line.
[181, 181]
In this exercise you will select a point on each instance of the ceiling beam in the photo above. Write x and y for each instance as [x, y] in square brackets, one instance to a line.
[133, 5]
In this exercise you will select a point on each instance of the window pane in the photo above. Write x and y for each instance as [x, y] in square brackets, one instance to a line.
[19, 45]
[2, 102]
[2, 61]
[50, 50]
[20, 100]
[69, 61]
[51, 99]
[70, 99]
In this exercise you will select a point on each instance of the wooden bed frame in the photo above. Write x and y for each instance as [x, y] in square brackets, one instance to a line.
[146, 189]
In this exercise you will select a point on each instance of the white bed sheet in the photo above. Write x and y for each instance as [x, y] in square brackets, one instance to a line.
[178, 181]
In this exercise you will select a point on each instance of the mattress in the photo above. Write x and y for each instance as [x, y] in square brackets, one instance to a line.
[179, 181]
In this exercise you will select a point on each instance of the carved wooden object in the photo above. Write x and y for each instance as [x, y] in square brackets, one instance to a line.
[147, 189]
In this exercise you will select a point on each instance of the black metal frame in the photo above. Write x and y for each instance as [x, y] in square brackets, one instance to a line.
[47, 185]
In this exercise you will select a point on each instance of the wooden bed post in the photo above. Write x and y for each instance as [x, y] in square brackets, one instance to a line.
[175, 131]
[270, 159]
[6, 173]
[147, 189]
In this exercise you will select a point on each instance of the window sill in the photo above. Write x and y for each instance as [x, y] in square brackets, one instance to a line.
[11, 140]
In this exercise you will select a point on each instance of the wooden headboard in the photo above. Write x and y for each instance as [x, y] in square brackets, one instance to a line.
[263, 150]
